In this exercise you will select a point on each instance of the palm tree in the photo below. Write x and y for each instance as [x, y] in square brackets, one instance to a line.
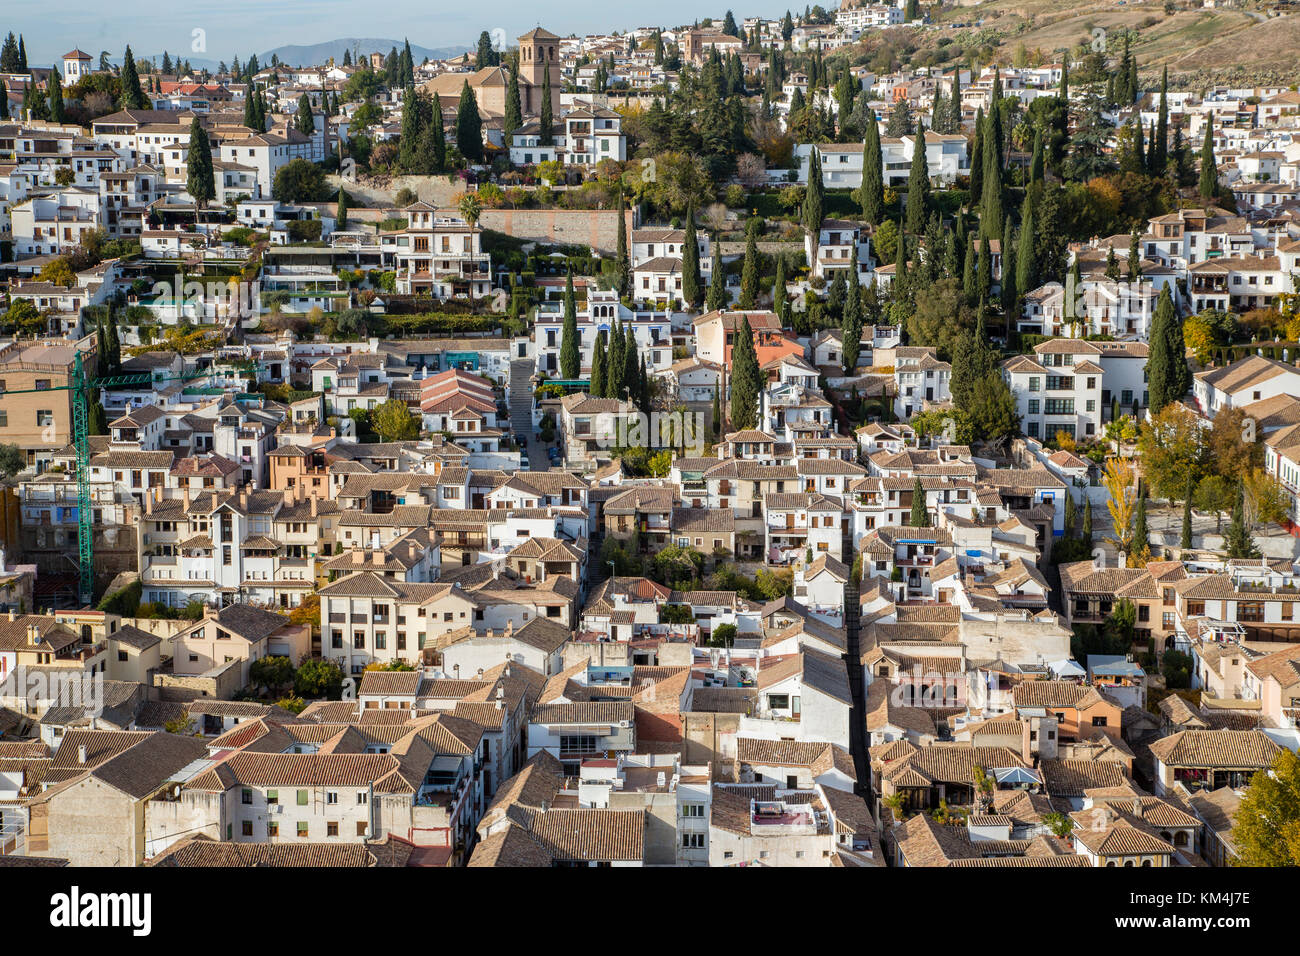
[470, 207]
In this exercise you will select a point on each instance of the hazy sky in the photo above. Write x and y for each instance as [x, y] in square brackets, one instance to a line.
[241, 27]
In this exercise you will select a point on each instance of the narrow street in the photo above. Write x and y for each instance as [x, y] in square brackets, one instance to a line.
[521, 413]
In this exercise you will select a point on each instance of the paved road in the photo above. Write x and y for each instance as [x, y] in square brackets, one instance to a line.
[521, 413]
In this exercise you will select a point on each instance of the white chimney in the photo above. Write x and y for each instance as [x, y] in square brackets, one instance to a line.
[81, 754]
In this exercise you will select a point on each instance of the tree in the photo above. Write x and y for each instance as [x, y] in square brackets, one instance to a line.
[318, 678]
[546, 124]
[1117, 479]
[434, 140]
[692, 283]
[132, 97]
[469, 126]
[341, 215]
[200, 181]
[305, 122]
[12, 460]
[717, 296]
[920, 515]
[54, 94]
[299, 181]
[271, 672]
[749, 273]
[918, 189]
[1168, 375]
[745, 381]
[596, 387]
[1026, 253]
[872, 192]
[1209, 186]
[1086, 532]
[1238, 543]
[1266, 829]
[4, 100]
[393, 421]
[1141, 534]
[622, 266]
[1171, 445]
[1263, 499]
[993, 409]
[570, 355]
[813, 201]
[1185, 539]
[514, 117]
[1160, 145]
[1216, 494]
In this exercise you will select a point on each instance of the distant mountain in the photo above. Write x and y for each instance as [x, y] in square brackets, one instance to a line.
[316, 53]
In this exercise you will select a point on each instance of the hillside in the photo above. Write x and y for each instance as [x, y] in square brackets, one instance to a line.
[314, 53]
[1195, 43]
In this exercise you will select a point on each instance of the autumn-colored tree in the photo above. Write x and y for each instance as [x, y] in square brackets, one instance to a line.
[1117, 479]
[1234, 447]
[1171, 446]
[1266, 829]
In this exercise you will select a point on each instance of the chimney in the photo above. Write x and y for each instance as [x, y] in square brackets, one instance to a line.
[13, 615]
[358, 557]
[1137, 806]
[81, 754]
[185, 495]
[289, 497]
[501, 704]
[314, 505]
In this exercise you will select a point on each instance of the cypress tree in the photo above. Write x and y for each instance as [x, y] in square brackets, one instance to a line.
[983, 270]
[717, 410]
[1026, 275]
[1209, 168]
[1009, 291]
[55, 96]
[1167, 372]
[744, 378]
[872, 193]
[1185, 542]
[514, 117]
[622, 268]
[1161, 147]
[1141, 534]
[631, 366]
[1238, 543]
[779, 301]
[813, 200]
[918, 188]
[954, 115]
[614, 372]
[1071, 516]
[749, 273]
[920, 514]
[596, 388]
[132, 97]
[717, 297]
[546, 134]
[341, 215]
[469, 126]
[4, 100]
[692, 285]
[570, 354]
[409, 153]
[435, 140]
[200, 181]
[991, 201]
[1036, 162]
[1087, 522]
[305, 122]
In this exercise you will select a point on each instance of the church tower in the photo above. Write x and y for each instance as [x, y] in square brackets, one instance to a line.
[539, 52]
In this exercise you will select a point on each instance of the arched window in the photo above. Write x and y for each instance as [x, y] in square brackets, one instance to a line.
[1128, 862]
[1146, 862]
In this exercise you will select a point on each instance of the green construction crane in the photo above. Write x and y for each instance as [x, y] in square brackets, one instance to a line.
[81, 390]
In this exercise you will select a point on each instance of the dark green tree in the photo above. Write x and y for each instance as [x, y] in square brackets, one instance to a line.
[1209, 167]
[469, 126]
[871, 195]
[918, 190]
[920, 514]
[570, 352]
[200, 181]
[132, 97]
[749, 273]
[692, 284]
[745, 382]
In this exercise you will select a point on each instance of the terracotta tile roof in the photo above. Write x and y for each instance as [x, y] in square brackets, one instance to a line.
[1220, 749]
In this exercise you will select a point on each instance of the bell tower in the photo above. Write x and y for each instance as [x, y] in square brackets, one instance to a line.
[539, 54]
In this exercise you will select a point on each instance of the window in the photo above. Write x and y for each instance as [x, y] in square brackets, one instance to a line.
[361, 828]
[273, 829]
[246, 796]
[272, 797]
[692, 809]
[577, 743]
[331, 829]
[693, 841]
[247, 828]
[302, 798]
[331, 798]
[302, 829]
